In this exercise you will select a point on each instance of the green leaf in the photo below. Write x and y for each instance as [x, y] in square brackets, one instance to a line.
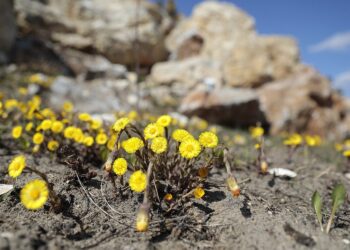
[317, 205]
[338, 197]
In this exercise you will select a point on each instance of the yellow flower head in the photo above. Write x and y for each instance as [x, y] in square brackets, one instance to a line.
[101, 138]
[198, 192]
[153, 130]
[338, 147]
[29, 126]
[164, 120]
[111, 142]
[142, 220]
[293, 140]
[120, 124]
[85, 117]
[57, 127]
[312, 141]
[34, 194]
[16, 166]
[78, 135]
[346, 153]
[256, 132]
[132, 145]
[120, 166]
[138, 181]
[11, 103]
[190, 148]
[159, 145]
[69, 132]
[88, 141]
[53, 145]
[38, 138]
[16, 132]
[96, 124]
[68, 107]
[181, 135]
[208, 139]
[133, 115]
[45, 125]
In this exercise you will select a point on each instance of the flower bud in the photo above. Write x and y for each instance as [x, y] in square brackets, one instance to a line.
[233, 186]
[142, 219]
[263, 167]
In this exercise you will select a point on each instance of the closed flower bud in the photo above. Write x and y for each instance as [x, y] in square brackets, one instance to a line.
[233, 186]
[142, 219]
[263, 167]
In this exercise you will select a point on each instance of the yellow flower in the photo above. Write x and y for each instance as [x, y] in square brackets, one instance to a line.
[120, 166]
[198, 192]
[11, 103]
[257, 146]
[338, 146]
[132, 145]
[312, 141]
[152, 130]
[16, 166]
[181, 135]
[17, 132]
[120, 124]
[159, 145]
[256, 132]
[111, 142]
[88, 141]
[48, 113]
[138, 181]
[38, 138]
[133, 115]
[57, 127]
[190, 148]
[29, 126]
[239, 140]
[53, 145]
[101, 138]
[208, 139]
[22, 91]
[293, 140]
[96, 124]
[142, 219]
[34, 194]
[45, 125]
[78, 135]
[36, 148]
[164, 120]
[68, 107]
[85, 117]
[346, 153]
[69, 132]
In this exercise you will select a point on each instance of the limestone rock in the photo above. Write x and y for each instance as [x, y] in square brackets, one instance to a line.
[100, 26]
[226, 36]
[226, 106]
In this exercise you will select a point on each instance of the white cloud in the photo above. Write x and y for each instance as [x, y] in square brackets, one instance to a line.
[342, 80]
[336, 42]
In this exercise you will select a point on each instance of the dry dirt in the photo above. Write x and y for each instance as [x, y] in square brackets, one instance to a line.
[271, 213]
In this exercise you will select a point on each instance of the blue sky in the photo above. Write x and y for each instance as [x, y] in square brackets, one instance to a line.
[322, 28]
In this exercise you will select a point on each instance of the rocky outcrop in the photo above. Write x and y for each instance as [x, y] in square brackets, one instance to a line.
[7, 28]
[99, 26]
[303, 102]
[226, 106]
[225, 36]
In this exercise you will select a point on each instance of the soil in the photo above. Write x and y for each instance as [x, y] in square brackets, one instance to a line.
[270, 213]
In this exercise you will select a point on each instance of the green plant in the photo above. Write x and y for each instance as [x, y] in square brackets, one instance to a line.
[338, 198]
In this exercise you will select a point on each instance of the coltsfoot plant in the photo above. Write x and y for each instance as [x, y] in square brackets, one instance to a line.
[168, 165]
[338, 198]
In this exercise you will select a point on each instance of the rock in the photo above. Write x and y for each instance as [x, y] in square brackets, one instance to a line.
[99, 26]
[225, 36]
[226, 106]
[7, 28]
[303, 102]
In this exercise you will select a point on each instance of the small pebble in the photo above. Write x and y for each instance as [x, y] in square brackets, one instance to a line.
[269, 212]
[346, 241]
[347, 175]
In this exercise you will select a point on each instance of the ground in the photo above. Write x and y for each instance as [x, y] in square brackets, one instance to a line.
[270, 212]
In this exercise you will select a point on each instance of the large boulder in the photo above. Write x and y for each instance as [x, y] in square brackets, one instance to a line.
[303, 102]
[7, 28]
[226, 36]
[99, 26]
